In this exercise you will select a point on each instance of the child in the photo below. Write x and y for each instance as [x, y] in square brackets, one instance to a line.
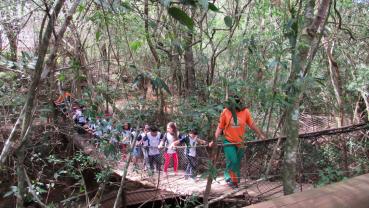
[143, 148]
[127, 138]
[151, 142]
[80, 119]
[191, 140]
[169, 137]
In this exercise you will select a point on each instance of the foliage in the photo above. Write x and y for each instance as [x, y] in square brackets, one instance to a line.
[208, 50]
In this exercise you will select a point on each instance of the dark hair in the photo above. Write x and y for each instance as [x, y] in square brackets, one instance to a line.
[127, 123]
[193, 131]
[234, 103]
[153, 129]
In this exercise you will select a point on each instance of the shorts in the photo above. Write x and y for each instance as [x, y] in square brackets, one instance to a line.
[137, 152]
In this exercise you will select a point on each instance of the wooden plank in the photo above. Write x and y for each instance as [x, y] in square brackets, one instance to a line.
[353, 192]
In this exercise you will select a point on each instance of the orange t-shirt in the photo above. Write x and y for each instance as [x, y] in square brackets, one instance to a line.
[234, 133]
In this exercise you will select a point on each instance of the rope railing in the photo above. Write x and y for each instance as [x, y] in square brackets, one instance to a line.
[323, 157]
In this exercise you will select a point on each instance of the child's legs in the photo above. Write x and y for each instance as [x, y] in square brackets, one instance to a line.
[188, 169]
[123, 151]
[166, 161]
[145, 156]
[157, 162]
[175, 161]
[193, 165]
[151, 161]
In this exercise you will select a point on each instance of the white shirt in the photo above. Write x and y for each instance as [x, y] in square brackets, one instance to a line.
[126, 137]
[152, 142]
[192, 148]
[170, 140]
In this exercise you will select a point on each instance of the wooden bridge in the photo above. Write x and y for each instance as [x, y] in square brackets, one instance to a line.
[177, 184]
[258, 153]
[351, 193]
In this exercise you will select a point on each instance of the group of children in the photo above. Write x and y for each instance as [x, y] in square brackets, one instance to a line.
[149, 144]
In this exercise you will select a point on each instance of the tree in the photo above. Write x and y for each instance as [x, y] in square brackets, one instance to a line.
[303, 37]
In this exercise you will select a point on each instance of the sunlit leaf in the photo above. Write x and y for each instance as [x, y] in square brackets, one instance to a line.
[135, 45]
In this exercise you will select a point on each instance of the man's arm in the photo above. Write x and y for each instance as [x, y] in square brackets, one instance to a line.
[218, 132]
[201, 141]
[259, 133]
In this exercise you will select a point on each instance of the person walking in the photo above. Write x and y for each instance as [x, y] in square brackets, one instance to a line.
[191, 140]
[151, 142]
[232, 123]
[170, 153]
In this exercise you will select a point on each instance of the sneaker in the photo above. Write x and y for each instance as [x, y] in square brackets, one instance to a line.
[231, 184]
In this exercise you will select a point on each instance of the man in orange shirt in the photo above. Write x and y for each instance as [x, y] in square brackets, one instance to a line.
[64, 101]
[66, 96]
[234, 131]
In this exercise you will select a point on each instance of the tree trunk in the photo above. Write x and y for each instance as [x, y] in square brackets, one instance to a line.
[12, 35]
[1, 42]
[365, 94]
[51, 60]
[334, 73]
[29, 105]
[214, 154]
[177, 73]
[302, 48]
[189, 64]
[147, 32]
[120, 200]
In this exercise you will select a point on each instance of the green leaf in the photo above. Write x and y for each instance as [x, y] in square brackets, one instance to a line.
[80, 8]
[61, 77]
[135, 45]
[204, 4]
[98, 35]
[228, 21]
[212, 7]
[181, 17]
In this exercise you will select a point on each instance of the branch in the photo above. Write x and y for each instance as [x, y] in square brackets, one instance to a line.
[32, 191]
[29, 105]
[117, 202]
[50, 62]
[147, 35]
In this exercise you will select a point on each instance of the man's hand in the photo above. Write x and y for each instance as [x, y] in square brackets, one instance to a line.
[262, 136]
[212, 144]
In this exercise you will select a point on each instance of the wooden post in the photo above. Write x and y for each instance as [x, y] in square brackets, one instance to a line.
[215, 150]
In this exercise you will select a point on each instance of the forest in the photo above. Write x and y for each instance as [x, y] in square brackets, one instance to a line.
[87, 86]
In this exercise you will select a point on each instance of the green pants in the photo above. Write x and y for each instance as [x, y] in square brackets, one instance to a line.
[233, 156]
